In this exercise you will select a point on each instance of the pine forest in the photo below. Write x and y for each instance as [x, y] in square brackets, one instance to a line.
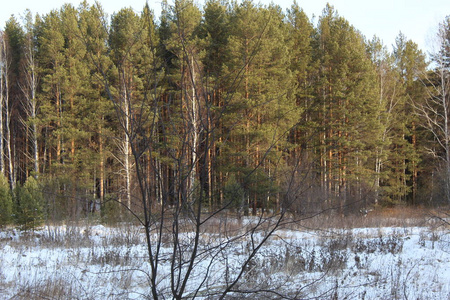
[237, 107]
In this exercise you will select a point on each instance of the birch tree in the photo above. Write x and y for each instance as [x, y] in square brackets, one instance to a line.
[12, 48]
[182, 136]
[186, 45]
[30, 87]
[3, 93]
[410, 65]
[435, 110]
[125, 44]
[348, 122]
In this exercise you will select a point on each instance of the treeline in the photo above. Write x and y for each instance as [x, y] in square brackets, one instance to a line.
[233, 102]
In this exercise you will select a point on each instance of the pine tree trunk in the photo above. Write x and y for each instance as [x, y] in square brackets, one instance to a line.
[102, 167]
[59, 111]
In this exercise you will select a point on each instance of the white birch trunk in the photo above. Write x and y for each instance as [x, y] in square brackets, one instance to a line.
[8, 130]
[2, 93]
[435, 110]
[31, 107]
[194, 130]
[126, 146]
[5, 132]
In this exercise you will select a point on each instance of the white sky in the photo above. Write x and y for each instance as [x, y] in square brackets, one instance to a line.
[417, 19]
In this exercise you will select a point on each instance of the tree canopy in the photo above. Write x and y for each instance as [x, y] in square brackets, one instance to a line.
[229, 86]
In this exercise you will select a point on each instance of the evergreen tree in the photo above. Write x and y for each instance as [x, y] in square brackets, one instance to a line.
[6, 203]
[79, 157]
[51, 59]
[390, 88]
[133, 44]
[347, 91]
[189, 102]
[303, 137]
[13, 42]
[215, 31]
[262, 108]
[98, 120]
[30, 88]
[410, 65]
[205, 97]
[29, 208]
[153, 74]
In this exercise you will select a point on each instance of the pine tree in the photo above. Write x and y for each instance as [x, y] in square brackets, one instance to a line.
[410, 64]
[262, 109]
[30, 89]
[51, 59]
[6, 203]
[133, 44]
[302, 156]
[93, 33]
[215, 31]
[390, 116]
[152, 74]
[29, 205]
[13, 41]
[78, 161]
[188, 91]
[347, 90]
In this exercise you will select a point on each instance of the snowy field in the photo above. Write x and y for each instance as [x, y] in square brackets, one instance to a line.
[98, 262]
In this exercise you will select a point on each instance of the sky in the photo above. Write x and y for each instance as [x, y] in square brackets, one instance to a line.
[417, 19]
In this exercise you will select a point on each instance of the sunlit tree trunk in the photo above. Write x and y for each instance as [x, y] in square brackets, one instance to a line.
[126, 143]
[6, 131]
[29, 90]
[435, 110]
[11, 170]
[436, 116]
[102, 167]
[3, 73]
[193, 112]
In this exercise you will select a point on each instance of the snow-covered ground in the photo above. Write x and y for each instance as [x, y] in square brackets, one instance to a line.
[97, 262]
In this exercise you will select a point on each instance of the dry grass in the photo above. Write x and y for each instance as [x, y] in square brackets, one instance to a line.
[401, 216]
[115, 252]
[46, 289]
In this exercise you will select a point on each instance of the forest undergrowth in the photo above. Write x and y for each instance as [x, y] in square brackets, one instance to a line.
[405, 256]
